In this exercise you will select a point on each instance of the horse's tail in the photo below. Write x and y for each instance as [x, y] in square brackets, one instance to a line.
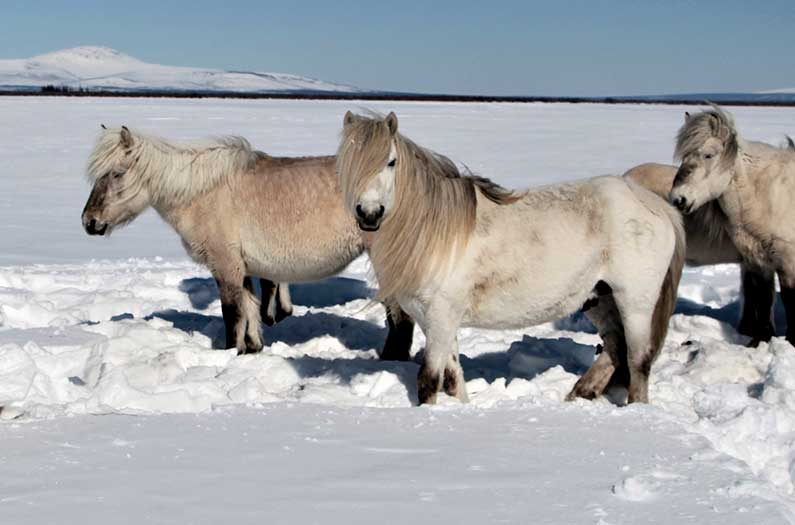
[790, 142]
[666, 301]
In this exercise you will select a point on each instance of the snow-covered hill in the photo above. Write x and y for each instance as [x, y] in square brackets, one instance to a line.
[105, 68]
[777, 91]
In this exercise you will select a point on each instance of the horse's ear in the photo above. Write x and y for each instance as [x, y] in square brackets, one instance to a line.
[347, 120]
[392, 122]
[687, 116]
[126, 137]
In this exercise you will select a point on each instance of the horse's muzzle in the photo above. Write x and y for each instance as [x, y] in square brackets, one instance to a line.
[94, 227]
[682, 204]
[369, 221]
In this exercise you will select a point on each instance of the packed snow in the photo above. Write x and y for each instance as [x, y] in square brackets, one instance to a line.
[316, 428]
[105, 68]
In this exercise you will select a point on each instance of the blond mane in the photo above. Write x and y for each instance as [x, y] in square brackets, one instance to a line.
[435, 207]
[172, 172]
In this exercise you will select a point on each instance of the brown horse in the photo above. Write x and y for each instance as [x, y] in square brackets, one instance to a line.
[239, 212]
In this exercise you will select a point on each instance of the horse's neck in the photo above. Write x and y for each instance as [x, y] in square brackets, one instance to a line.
[740, 203]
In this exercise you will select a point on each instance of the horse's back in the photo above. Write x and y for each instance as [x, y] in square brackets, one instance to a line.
[655, 177]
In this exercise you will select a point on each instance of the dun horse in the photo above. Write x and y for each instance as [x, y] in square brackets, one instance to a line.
[239, 212]
[752, 183]
[455, 249]
[709, 242]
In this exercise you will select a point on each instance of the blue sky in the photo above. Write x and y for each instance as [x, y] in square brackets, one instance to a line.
[508, 47]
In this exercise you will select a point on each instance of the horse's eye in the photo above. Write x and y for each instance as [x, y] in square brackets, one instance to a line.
[708, 156]
[392, 163]
[118, 175]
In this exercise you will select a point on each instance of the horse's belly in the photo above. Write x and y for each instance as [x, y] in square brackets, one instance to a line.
[295, 267]
[517, 310]
[295, 258]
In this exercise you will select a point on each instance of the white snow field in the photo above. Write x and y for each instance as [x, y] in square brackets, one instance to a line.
[316, 429]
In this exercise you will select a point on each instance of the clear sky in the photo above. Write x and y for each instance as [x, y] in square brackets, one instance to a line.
[485, 47]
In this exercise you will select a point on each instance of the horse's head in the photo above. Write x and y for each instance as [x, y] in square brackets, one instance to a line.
[118, 195]
[707, 146]
[367, 163]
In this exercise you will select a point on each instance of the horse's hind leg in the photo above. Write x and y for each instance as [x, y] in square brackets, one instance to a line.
[284, 303]
[276, 303]
[267, 305]
[605, 317]
[759, 294]
[640, 356]
[397, 346]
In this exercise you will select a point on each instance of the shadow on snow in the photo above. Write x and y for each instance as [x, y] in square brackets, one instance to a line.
[524, 359]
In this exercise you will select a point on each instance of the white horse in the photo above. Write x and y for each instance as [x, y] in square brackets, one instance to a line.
[709, 242]
[754, 185]
[457, 250]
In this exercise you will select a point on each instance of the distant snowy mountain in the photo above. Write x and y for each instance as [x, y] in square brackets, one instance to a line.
[777, 91]
[104, 68]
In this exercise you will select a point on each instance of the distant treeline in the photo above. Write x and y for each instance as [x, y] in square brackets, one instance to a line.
[66, 91]
[50, 89]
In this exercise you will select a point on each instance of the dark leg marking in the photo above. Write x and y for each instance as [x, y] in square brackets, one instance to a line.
[397, 346]
[231, 315]
[269, 300]
[450, 383]
[788, 298]
[427, 385]
[759, 293]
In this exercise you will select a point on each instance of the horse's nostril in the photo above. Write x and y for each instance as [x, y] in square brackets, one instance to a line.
[92, 224]
[380, 211]
[359, 211]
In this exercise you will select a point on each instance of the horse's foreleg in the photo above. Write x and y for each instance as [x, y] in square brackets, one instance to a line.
[441, 367]
[400, 335]
[454, 383]
[240, 310]
[759, 296]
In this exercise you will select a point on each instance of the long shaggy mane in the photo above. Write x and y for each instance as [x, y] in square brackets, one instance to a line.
[435, 207]
[172, 172]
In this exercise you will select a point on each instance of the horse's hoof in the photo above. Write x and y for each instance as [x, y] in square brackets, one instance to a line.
[249, 350]
[582, 392]
[268, 320]
[283, 314]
